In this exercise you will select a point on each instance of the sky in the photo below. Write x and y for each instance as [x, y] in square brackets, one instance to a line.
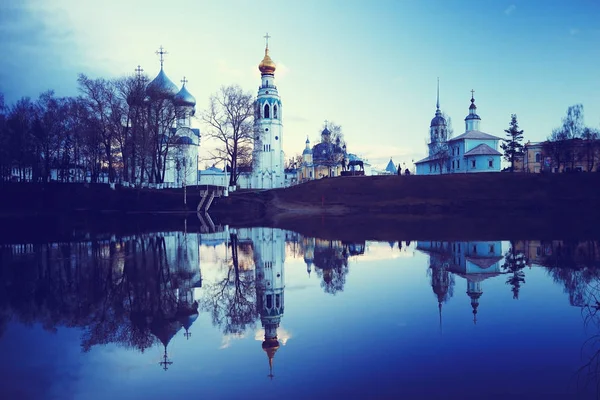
[369, 66]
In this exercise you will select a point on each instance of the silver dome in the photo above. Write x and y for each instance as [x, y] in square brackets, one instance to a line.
[162, 87]
[184, 98]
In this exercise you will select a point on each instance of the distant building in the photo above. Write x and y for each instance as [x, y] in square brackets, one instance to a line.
[325, 159]
[573, 155]
[473, 151]
[391, 168]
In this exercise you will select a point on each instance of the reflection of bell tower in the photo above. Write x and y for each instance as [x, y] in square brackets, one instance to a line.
[309, 253]
[269, 257]
[474, 291]
[440, 283]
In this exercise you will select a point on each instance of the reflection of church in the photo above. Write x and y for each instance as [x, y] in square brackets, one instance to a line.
[330, 259]
[473, 261]
[269, 259]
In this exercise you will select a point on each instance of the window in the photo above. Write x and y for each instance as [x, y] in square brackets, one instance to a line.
[538, 157]
[269, 301]
[474, 249]
[457, 164]
[275, 111]
[266, 113]
[430, 168]
[277, 300]
[538, 251]
[473, 164]
[491, 248]
[490, 163]
[452, 164]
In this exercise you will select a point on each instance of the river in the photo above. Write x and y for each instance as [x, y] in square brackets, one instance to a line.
[266, 313]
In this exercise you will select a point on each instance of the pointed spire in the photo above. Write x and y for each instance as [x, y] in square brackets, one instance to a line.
[437, 105]
[440, 310]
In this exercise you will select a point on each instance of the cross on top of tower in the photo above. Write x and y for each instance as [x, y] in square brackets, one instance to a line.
[161, 52]
[267, 39]
[184, 81]
[139, 71]
[472, 94]
[326, 122]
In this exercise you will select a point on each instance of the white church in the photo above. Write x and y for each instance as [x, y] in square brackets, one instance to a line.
[181, 141]
[471, 152]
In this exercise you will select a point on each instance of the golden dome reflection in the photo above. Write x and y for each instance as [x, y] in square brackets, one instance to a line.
[266, 66]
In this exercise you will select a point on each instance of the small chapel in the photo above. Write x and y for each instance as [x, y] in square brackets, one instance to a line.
[471, 152]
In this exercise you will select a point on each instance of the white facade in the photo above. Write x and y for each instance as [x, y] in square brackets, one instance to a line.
[268, 157]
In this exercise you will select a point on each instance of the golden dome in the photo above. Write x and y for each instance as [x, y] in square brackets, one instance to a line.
[267, 66]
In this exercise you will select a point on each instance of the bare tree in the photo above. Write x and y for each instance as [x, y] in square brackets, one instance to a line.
[440, 154]
[229, 117]
[101, 96]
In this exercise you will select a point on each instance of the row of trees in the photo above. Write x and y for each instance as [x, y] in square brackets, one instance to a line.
[112, 129]
[115, 130]
[573, 143]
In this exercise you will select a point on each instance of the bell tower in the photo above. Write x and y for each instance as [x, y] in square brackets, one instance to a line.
[267, 156]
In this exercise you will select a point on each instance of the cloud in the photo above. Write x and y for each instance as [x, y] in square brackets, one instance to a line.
[510, 9]
[574, 31]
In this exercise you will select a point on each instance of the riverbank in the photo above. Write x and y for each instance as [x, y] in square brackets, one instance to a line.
[481, 195]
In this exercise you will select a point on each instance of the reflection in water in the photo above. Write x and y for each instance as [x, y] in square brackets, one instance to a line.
[141, 291]
[473, 261]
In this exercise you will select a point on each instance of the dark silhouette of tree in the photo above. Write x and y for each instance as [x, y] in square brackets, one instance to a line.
[512, 146]
[229, 117]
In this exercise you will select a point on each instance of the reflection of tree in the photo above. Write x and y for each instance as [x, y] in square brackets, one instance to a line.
[122, 291]
[514, 262]
[231, 299]
[576, 266]
[331, 265]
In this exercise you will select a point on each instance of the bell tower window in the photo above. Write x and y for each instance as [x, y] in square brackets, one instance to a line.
[266, 111]
[275, 111]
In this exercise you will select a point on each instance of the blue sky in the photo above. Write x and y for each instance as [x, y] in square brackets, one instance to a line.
[369, 66]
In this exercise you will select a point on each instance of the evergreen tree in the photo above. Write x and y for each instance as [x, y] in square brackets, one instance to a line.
[512, 146]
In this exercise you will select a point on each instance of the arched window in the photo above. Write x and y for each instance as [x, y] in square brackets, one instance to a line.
[538, 157]
[266, 113]
[275, 111]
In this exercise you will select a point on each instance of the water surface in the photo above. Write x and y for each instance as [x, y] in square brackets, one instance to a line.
[265, 313]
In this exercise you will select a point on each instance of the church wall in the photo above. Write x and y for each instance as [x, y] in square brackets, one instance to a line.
[482, 163]
[472, 143]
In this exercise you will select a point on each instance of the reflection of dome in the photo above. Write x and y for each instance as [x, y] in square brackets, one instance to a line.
[164, 329]
[162, 87]
[267, 66]
[184, 98]
[188, 320]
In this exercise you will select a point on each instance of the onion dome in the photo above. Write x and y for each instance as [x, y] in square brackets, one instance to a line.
[162, 87]
[307, 151]
[184, 98]
[267, 66]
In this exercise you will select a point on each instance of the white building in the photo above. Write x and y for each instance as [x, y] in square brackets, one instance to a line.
[180, 141]
[268, 168]
[472, 151]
